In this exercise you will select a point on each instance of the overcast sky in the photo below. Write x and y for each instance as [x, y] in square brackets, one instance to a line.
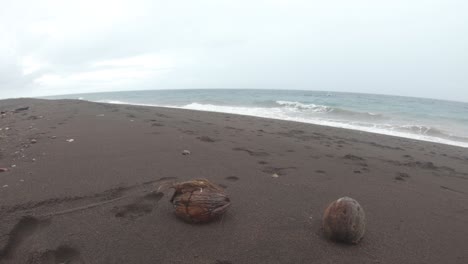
[402, 47]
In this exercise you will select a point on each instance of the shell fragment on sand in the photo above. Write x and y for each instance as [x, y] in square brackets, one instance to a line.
[185, 152]
[344, 220]
[199, 201]
[70, 140]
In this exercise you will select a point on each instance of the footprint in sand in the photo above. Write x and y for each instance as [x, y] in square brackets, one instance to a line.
[206, 139]
[25, 228]
[353, 157]
[63, 254]
[232, 178]
[223, 262]
[401, 176]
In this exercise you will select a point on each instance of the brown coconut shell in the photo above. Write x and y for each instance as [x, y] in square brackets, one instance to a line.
[199, 201]
[344, 220]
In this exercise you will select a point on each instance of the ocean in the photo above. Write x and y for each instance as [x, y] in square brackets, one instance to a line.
[431, 120]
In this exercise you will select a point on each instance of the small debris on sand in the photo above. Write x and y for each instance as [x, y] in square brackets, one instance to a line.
[3, 169]
[274, 175]
[186, 152]
[6, 185]
[13, 166]
[33, 141]
[70, 140]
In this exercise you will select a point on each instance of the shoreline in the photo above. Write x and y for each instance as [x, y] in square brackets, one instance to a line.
[398, 134]
[414, 192]
[384, 132]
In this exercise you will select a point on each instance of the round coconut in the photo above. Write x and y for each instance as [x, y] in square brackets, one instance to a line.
[344, 220]
[199, 201]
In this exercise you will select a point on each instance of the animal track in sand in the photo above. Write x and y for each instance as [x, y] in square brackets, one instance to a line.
[252, 153]
[154, 196]
[133, 210]
[140, 206]
[450, 189]
[103, 198]
[23, 229]
[63, 254]
[106, 195]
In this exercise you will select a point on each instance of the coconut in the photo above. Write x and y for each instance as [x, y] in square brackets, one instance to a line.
[199, 201]
[344, 220]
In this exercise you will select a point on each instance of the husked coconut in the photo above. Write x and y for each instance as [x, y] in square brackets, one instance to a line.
[199, 201]
[344, 220]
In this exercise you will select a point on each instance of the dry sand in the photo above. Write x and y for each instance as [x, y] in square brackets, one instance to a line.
[93, 200]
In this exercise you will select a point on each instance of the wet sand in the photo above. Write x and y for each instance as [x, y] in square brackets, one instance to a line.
[94, 200]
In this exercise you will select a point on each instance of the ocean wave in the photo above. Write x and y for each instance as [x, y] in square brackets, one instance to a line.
[429, 131]
[108, 101]
[323, 109]
[302, 106]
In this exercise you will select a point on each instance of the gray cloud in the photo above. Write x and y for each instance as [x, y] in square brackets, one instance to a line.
[414, 48]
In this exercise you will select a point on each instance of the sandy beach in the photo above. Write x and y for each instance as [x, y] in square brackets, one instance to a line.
[80, 183]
